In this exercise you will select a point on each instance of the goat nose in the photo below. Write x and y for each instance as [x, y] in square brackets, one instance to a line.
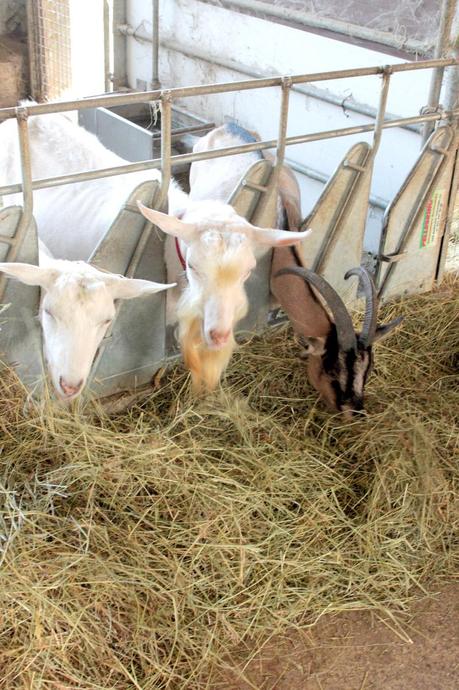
[219, 337]
[68, 388]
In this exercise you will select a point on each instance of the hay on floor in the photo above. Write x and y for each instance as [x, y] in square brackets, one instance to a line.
[137, 550]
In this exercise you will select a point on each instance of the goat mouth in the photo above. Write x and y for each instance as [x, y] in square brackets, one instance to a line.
[67, 397]
[350, 412]
[216, 346]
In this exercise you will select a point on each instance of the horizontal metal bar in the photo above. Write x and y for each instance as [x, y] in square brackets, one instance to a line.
[441, 50]
[346, 103]
[155, 163]
[324, 95]
[179, 131]
[391, 258]
[110, 100]
[313, 174]
[354, 166]
[329, 25]
[254, 185]
[215, 153]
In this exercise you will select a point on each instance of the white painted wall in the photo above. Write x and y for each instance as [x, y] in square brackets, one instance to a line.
[269, 48]
[87, 47]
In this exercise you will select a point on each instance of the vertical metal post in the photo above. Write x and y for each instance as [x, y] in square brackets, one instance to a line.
[166, 127]
[155, 83]
[381, 110]
[361, 183]
[451, 77]
[32, 46]
[119, 45]
[441, 50]
[107, 46]
[27, 192]
[26, 171]
[267, 203]
[283, 122]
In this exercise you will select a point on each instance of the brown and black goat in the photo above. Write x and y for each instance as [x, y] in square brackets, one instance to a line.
[339, 360]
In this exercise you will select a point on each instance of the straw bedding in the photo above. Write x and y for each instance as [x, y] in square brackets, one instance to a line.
[137, 550]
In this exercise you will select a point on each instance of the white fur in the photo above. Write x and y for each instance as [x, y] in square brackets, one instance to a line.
[220, 250]
[71, 221]
[220, 247]
[73, 218]
[77, 306]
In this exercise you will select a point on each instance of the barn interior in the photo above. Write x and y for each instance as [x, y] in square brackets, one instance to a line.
[250, 538]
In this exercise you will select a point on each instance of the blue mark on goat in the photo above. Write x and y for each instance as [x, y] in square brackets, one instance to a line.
[244, 135]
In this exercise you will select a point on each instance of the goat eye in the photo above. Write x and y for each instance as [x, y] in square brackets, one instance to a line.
[107, 322]
[49, 313]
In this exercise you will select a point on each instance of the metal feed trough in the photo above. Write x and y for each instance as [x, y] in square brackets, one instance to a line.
[413, 241]
[133, 131]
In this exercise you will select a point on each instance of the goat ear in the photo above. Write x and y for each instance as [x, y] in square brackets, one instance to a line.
[29, 274]
[383, 331]
[277, 238]
[168, 224]
[128, 288]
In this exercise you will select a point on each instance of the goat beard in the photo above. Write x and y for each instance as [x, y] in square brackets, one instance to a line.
[206, 365]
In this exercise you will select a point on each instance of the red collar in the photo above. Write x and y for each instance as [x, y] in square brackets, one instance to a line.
[179, 254]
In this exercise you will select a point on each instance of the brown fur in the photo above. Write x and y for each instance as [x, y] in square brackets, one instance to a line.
[296, 297]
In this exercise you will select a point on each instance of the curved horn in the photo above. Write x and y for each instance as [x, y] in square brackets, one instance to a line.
[343, 322]
[370, 320]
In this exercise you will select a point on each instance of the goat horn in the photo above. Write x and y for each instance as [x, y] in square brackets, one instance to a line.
[343, 322]
[370, 320]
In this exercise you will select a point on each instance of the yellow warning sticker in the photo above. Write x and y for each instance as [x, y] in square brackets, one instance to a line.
[431, 219]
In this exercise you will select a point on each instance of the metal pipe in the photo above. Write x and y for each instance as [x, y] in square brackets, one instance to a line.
[166, 126]
[107, 45]
[155, 83]
[379, 124]
[179, 131]
[328, 25]
[451, 76]
[270, 192]
[26, 168]
[347, 103]
[366, 171]
[32, 50]
[441, 49]
[110, 100]
[283, 124]
[26, 188]
[312, 91]
[313, 174]
[155, 163]
[119, 46]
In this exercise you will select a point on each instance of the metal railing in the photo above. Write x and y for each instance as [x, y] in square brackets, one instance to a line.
[167, 162]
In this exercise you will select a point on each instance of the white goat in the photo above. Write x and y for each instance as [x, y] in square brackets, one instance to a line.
[77, 303]
[71, 219]
[77, 306]
[218, 249]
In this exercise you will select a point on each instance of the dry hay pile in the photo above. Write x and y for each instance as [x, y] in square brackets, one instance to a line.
[137, 551]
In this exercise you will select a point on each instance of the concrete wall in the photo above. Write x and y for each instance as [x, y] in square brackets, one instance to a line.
[12, 16]
[14, 77]
[195, 36]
